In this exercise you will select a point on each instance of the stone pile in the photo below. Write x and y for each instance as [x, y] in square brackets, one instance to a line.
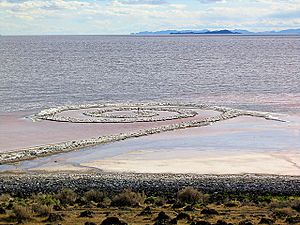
[26, 184]
[147, 112]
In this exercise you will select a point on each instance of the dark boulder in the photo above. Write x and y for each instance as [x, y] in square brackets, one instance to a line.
[183, 216]
[57, 208]
[80, 202]
[86, 213]
[295, 219]
[208, 211]
[188, 208]
[162, 216]
[10, 206]
[54, 217]
[146, 211]
[173, 221]
[201, 222]
[230, 204]
[245, 222]
[2, 210]
[296, 207]
[90, 223]
[162, 219]
[266, 221]
[113, 221]
[177, 205]
[220, 222]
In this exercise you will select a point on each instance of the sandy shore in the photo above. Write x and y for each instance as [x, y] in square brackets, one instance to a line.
[236, 146]
[283, 163]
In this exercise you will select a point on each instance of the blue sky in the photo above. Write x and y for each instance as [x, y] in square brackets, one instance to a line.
[29, 17]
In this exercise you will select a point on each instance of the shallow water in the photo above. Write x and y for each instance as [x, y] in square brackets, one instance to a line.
[240, 135]
[258, 73]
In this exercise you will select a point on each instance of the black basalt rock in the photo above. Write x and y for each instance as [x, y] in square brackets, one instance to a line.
[2, 210]
[183, 216]
[146, 211]
[208, 211]
[54, 217]
[266, 221]
[113, 221]
[162, 219]
[86, 213]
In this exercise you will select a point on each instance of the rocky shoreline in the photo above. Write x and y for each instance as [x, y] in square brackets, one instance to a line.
[39, 151]
[26, 184]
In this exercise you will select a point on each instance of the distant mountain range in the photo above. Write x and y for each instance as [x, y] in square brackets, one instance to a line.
[209, 32]
[220, 32]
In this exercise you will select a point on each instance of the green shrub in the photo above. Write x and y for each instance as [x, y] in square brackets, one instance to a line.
[158, 201]
[128, 198]
[94, 195]
[45, 199]
[66, 196]
[189, 195]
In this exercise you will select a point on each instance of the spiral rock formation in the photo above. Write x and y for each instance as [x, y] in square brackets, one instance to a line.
[124, 113]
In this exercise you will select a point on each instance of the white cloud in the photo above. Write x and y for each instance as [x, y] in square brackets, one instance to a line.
[143, 2]
[211, 1]
[125, 16]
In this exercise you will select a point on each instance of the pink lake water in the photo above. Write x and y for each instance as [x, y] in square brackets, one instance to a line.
[240, 145]
[245, 72]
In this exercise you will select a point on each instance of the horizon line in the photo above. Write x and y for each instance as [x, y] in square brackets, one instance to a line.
[136, 34]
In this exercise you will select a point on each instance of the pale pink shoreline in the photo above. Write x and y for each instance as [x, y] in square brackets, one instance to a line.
[174, 161]
[285, 161]
[279, 163]
[18, 132]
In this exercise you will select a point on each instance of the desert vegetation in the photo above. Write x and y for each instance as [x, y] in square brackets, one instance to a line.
[187, 206]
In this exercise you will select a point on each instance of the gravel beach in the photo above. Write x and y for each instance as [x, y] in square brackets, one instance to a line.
[26, 184]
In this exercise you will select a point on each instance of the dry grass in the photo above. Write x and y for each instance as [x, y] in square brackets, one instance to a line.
[130, 215]
[42, 210]
[22, 213]
[128, 198]
[284, 212]
[190, 195]
[5, 198]
[46, 209]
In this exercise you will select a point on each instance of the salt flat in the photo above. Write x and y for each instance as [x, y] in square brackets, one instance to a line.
[240, 145]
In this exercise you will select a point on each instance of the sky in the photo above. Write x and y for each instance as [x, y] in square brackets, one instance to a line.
[30, 17]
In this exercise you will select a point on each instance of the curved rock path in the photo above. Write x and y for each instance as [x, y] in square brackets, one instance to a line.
[177, 110]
